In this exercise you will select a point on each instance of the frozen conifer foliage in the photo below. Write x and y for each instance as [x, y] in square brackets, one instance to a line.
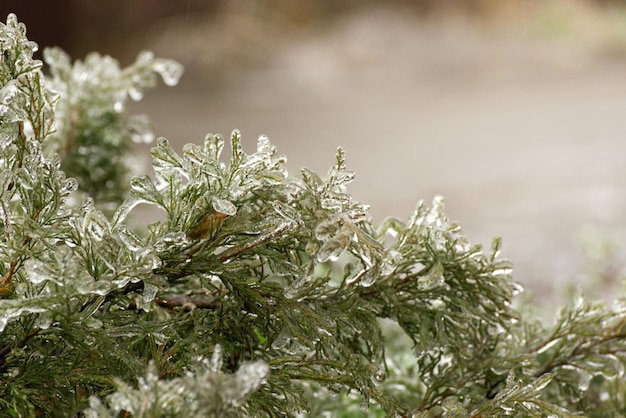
[259, 293]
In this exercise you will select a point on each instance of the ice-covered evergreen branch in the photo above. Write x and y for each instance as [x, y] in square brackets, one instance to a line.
[257, 293]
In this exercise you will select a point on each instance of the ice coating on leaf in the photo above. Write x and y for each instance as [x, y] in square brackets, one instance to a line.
[145, 64]
[93, 323]
[336, 201]
[129, 238]
[580, 376]
[119, 401]
[224, 206]
[237, 154]
[547, 346]
[163, 142]
[88, 286]
[365, 403]
[436, 304]
[214, 145]
[380, 376]
[141, 184]
[251, 376]
[118, 106]
[71, 185]
[332, 249]
[287, 212]
[257, 160]
[144, 58]
[143, 137]
[281, 341]
[263, 145]
[148, 261]
[496, 329]
[125, 208]
[135, 93]
[172, 239]
[215, 364]
[535, 388]
[453, 408]
[516, 288]
[512, 385]
[496, 246]
[433, 279]
[164, 156]
[149, 293]
[341, 159]
[94, 222]
[8, 92]
[327, 229]
[344, 177]
[6, 116]
[37, 272]
[311, 179]
[502, 268]
[144, 188]
[10, 311]
[369, 276]
[169, 70]
[436, 213]
[610, 366]
[139, 129]
[5, 219]
[194, 154]
[59, 62]
[312, 248]
[391, 260]
[297, 286]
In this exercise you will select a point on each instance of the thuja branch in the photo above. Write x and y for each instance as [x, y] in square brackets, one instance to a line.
[260, 293]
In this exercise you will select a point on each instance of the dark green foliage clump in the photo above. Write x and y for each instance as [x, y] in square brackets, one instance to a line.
[258, 293]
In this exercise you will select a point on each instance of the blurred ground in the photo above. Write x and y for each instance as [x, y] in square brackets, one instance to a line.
[518, 121]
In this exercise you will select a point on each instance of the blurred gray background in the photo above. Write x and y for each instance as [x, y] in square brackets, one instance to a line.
[514, 111]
